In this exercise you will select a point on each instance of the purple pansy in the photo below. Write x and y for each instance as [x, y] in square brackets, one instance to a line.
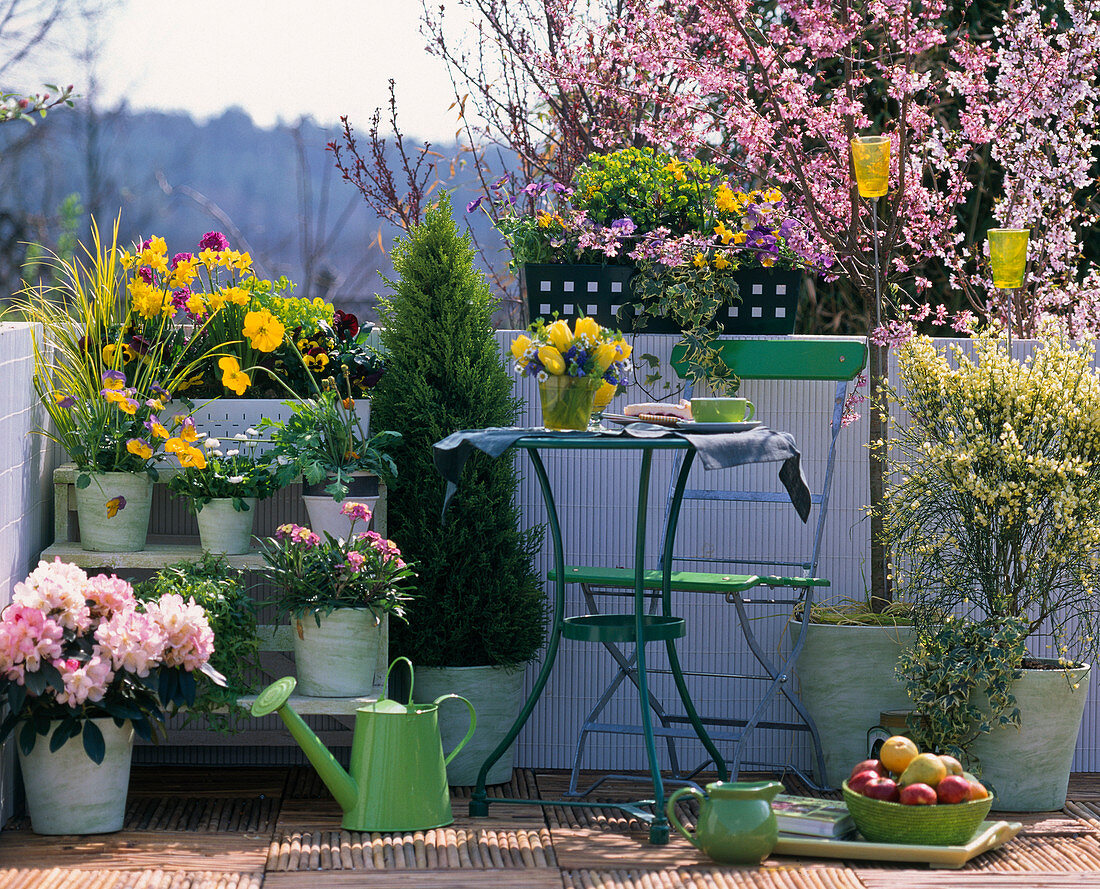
[474, 204]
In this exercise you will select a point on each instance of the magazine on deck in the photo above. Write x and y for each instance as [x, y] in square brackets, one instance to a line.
[809, 816]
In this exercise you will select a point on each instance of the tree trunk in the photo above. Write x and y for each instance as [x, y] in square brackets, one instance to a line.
[880, 592]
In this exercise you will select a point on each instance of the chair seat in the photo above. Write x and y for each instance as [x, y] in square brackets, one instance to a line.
[682, 581]
[622, 628]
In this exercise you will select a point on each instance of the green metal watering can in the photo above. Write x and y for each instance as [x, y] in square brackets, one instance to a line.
[398, 779]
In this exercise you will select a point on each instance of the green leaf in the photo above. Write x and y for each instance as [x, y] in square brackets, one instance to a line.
[66, 729]
[83, 480]
[27, 737]
[94, 745]
[35, 682]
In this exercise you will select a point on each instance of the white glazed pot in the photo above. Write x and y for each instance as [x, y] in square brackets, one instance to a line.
[113, 511]
[224, 530]
[67, 793]
[344, 657]
[324, 512]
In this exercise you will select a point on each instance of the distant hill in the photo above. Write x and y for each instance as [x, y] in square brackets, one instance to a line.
[173, 176]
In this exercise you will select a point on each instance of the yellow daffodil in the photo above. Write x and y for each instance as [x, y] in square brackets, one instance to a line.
[264, 330]
[195, 305]
[243, 262]
[724, 199]
[560, 336]
[520, 345]
[209, 258]
[723, 233]
[139, 448]
[700, 261]
[676, 168]
[720, 261]
[233, 378]
[238, 296]
[215, 301]
[551, 359]
[587, 330]
[192, 458]
[126, 259]
[740, 238]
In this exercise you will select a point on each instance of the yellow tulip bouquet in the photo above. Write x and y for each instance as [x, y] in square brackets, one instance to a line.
[578, 369]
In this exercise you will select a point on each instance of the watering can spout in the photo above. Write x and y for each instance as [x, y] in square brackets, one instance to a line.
[273, 699]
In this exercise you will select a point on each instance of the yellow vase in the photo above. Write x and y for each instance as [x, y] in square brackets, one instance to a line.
[1008, 256]
[871, 159]
[567, 401]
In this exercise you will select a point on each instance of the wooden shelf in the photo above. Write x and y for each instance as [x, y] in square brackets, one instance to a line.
[152, 557]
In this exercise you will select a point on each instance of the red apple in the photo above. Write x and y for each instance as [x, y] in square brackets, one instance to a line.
[873, 764]
[976, 790]
[858, 782]
[917, 795]
[953, 789]
[883, 788]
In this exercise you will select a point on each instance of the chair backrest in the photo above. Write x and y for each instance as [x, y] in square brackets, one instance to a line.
[792, 358]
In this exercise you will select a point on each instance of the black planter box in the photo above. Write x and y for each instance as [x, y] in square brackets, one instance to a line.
[769, 298]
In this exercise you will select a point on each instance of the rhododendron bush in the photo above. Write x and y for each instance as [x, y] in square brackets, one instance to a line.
[74, 647]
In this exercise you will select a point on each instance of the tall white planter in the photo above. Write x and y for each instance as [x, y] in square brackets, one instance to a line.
[1029, 767]
[344, 657]
[224, 530]
[113, 510]
[497, 695]
[324, 512]
[67, 793]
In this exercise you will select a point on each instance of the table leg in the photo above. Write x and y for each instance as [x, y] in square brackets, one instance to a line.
[666, 608]
[658, 828]
[479, 805]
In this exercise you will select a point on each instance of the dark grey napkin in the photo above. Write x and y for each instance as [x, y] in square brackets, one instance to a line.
[715, 450]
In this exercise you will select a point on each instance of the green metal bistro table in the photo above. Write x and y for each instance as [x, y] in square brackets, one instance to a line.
[638, 626]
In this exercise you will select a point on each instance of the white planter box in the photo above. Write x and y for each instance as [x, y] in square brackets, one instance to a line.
[224, 418]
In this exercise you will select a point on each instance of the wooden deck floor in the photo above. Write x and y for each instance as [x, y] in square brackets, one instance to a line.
[277, 828]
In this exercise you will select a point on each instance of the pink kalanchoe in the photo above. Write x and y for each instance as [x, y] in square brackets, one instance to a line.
[358, 512]
[214, 241]
[355, 560]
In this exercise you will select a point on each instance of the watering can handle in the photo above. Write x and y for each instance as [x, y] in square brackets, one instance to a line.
[469, 732]
[670, 811]
[412, 676]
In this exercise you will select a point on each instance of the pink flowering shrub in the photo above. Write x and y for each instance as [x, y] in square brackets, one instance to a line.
[316, 576]
[74, 647]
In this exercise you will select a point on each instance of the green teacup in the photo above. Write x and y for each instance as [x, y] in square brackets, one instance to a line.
[721, 410]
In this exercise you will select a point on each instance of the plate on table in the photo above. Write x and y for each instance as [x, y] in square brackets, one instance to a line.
[745, 426]
[624, 420]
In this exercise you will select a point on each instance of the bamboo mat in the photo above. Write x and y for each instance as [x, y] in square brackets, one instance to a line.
[278, 828]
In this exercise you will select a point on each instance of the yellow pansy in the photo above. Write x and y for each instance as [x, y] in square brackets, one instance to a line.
[560, 336]
[544, 219]
[157, 428]
[264, 330]
[192, 458]
[520, 345]
[551, 359]
[233, 378]
[700, 261]
[767, 260]
[316, 363]
[587, 330]
[188, 433]
[139, 448]
[175, 446]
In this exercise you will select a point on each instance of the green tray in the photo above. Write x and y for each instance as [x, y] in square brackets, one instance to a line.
[990, 835]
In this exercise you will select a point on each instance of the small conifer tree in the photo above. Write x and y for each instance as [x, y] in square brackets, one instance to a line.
[477, 599]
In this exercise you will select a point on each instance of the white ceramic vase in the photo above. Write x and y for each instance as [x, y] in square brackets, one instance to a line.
[344, 657]
[324, 512]
[113, 510]
[224, 530]
[67, 793]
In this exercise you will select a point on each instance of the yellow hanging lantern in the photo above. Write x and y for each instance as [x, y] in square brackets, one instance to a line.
[1008, 256]
[871, 159]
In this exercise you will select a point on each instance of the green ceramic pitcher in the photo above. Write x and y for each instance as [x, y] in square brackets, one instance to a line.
[736, 822]
[398, 779]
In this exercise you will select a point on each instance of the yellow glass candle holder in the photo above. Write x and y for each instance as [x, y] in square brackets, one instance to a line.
[1008, 256]
[871, 159]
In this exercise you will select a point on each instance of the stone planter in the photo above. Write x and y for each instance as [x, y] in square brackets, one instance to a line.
[496, 694]
[224, 418]
[846, 679]
[223, 529]
[113, 511]
[1028, 768]
[67, 793]
[344, 657]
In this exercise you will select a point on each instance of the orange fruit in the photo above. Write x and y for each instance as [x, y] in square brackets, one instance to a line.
[897, 752]
[925, 768]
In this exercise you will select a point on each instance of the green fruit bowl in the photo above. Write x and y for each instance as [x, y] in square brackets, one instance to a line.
[940, 825]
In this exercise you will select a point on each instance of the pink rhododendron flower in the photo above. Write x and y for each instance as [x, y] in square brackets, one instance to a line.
[106, 595]
[135, 641]
[189, 641]
[59, 590]
[84, 682]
